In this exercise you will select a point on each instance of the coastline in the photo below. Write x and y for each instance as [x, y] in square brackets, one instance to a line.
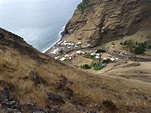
[61, 36]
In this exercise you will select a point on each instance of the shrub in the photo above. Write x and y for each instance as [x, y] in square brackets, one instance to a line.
[137, 48]
[83, 5]
[98, 66]
[148, 44]
[85, 66]
[149, 47]
[109, 104]
[88, 55]
[113, 43]
[130, 45]
[140, 49]
[100, 50]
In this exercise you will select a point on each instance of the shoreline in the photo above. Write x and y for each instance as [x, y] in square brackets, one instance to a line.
[61, 36]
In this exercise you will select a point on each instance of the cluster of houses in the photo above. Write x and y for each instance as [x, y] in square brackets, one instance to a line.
[70, 56]
[98, 56]
[63, 47]
[122, 53]
[69, 44]
[106, 56]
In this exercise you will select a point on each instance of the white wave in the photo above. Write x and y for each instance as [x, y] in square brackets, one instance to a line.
[59, 38]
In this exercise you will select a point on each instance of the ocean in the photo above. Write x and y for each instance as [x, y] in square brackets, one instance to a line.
[39, 22]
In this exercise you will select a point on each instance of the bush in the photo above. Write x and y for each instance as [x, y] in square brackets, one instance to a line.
[137, 48]
[109, 104]
[140, 49]
[83, 5]
[98, 66]
[148, 44]
[130, 45]
[113, 43]
[149, 47]
[85, 66]
[100, 51]
[88, 55]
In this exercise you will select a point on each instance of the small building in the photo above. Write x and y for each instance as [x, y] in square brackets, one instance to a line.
[63, 59]
[93, 54]
[76, 46]
[116, 59]
[88, 45]
[56, 57]
[104, 58]
[112, 59]
[79, 52]
[79, 43]
[55, 51]
[66, 56]
[69, 47]
[59, 43]
[97, 57]
[98, 54]
[72, 44]
[73, 55]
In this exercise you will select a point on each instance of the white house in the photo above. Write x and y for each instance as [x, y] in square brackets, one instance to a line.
[112, 59]
[63, 59]
[97, 57]
[79, 43]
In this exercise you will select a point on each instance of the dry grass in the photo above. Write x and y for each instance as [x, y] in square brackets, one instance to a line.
[89, 90]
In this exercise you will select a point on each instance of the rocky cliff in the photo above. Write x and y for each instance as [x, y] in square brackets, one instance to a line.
[101, 21]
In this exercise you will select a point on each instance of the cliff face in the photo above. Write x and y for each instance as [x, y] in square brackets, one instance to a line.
[101, 21]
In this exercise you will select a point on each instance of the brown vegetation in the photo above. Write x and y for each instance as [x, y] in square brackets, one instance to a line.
[32, 82]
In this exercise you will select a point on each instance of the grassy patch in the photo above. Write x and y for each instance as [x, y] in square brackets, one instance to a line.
[88, 55]
[98, 66]
[140, 48]
[136, 47]
[82, 6]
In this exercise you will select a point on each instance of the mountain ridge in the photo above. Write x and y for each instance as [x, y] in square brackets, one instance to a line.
[102, 21]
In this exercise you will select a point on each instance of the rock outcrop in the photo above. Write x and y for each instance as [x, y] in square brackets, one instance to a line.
[101, 21]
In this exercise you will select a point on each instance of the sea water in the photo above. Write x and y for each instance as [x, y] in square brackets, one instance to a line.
[39, 22]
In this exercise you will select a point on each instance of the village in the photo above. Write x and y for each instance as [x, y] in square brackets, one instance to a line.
[83, 55]
[87, 57]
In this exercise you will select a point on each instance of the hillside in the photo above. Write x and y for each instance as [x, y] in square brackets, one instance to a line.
[97, 22]
[33, 82]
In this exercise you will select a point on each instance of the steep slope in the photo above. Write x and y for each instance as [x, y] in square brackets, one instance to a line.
[101, 21]
[33, 82]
